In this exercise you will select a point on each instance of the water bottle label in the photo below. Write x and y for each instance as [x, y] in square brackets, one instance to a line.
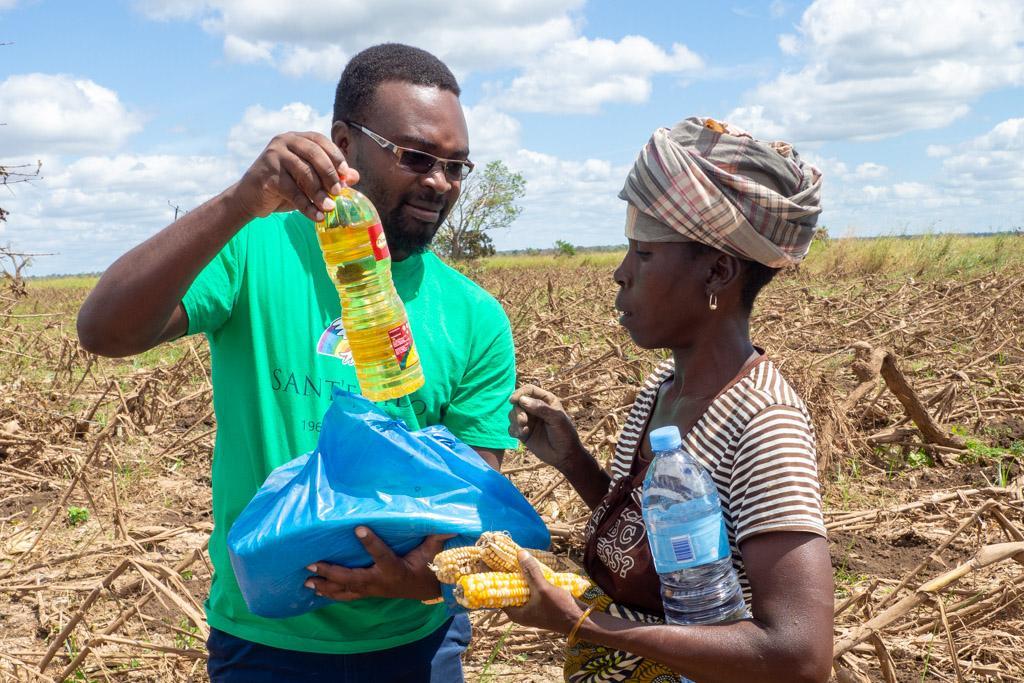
[401, 344]
[689, 544]
[334, 342]
[379, 242]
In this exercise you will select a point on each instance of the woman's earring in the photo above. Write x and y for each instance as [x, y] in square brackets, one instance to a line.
[713, 301]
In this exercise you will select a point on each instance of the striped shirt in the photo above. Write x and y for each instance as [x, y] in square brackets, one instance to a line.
[757, 441]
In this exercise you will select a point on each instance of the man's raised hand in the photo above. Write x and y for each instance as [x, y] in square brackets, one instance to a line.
[299, 171]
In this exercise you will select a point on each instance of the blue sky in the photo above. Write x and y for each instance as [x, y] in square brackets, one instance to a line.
[913, 110]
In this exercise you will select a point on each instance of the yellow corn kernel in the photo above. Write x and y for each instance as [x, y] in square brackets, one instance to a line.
[548, 559]
[501, 553]
[509, 589]
[450, 564]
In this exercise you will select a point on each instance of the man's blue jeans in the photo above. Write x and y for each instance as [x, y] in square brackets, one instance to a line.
[434, 659]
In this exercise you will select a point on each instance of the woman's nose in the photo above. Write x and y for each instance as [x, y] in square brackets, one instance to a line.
[620, 275]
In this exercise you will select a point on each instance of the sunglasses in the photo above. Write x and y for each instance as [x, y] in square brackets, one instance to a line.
[419, 162]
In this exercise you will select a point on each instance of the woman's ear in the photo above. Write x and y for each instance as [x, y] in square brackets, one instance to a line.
[724, 271]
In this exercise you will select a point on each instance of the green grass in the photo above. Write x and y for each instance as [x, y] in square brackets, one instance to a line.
[77, 515]
[63, 282]
[924, 256]
[596, 259]
[927, 256]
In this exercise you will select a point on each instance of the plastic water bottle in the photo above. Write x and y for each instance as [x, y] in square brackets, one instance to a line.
[688, 539]
[358, 260]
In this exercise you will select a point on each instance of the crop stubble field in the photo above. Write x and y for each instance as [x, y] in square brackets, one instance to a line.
[909, 353]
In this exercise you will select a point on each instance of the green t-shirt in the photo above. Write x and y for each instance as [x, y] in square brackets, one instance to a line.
[263, 303]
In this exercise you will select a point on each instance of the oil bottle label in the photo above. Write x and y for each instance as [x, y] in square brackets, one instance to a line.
[401, 343]
[334, 342]
[379, 242]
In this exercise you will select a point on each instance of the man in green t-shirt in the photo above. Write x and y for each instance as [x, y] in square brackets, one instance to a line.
[245, 269]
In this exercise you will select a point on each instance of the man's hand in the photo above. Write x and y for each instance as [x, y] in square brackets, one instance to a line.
[295, 171]
[539, 421]
[389, 577]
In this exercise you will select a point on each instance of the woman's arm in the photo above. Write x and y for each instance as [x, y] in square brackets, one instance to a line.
[788, 639]
[538, 420]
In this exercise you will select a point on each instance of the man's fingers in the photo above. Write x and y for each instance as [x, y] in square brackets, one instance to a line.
[298, 199]
[519, 423]
[342, 171]
[319, 161]
[334, 591]
[378, 549]
[306, 177]
[541, 409]
[435, 544]
[342, 576]
[519, 393]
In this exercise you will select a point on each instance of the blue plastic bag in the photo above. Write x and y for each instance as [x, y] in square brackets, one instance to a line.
[368, 469]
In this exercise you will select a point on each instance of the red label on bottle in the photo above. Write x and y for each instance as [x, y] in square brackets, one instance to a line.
[401, 343]
[379, 242]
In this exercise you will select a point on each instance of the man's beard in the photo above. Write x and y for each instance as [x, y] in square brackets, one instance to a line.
[407, 236]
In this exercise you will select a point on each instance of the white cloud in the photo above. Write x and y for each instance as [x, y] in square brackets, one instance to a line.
[870, 170]
[61, 114]
[582, 74]
[574, 200]
[468, 36]
[992, 163]
[561, 70]
[246, 52]
[493, 134]
[755, 120]
[789, 44]
[166, 10]
[249, 136]
[877, 69]
[976, 187]
[325, 63]
[88, 212]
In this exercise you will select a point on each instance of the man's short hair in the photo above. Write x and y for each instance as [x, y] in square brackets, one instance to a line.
[387, 62]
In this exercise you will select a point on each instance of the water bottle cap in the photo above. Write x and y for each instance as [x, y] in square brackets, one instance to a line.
[666, 439]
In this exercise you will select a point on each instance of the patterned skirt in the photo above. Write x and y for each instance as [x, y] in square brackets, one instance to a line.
[591, 663]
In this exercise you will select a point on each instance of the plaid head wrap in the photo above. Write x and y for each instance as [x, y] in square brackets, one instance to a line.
[710, 182]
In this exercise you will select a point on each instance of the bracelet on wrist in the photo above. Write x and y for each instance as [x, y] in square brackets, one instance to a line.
[573, 636]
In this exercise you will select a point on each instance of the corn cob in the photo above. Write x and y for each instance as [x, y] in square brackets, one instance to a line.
[450, 564]
[548, 559]
[509, 589]
[500, 553]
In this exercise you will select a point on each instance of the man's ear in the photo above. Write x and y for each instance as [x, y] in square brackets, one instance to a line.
[341, 136]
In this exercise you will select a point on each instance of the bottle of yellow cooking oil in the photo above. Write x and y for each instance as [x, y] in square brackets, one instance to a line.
[357, 257]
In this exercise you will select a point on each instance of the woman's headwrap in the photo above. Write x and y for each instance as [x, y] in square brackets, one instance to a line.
[709, 182]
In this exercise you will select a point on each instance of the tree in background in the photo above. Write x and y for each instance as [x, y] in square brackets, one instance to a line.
[9, 175]
[488, 202]
[563, 248]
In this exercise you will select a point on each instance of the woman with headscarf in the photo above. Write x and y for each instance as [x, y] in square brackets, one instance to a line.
[712, 214]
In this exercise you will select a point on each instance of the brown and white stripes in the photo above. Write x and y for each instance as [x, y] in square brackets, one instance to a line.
[757, 441]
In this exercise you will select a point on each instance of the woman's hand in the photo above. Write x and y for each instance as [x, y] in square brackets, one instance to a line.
[549, 607]
[538, 420]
